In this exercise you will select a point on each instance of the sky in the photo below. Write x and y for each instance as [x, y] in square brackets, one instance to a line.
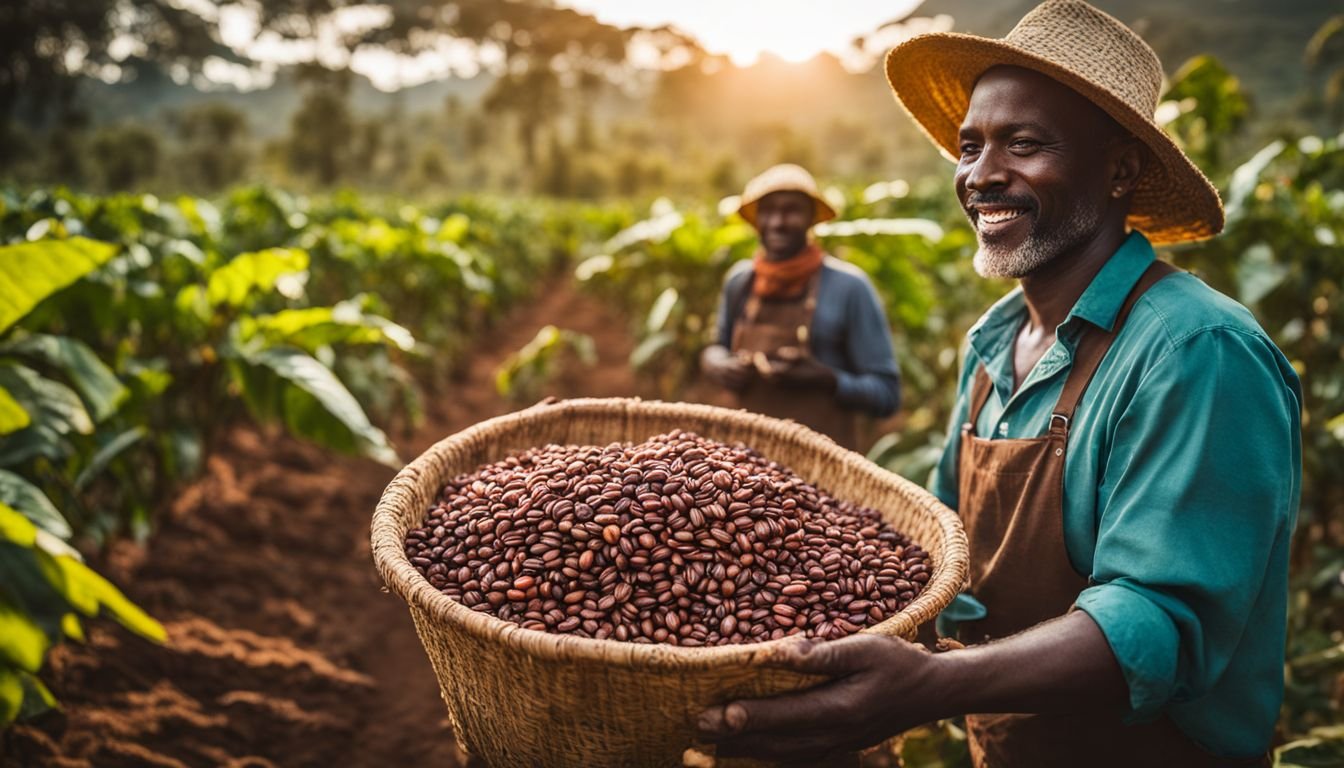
[794, 30]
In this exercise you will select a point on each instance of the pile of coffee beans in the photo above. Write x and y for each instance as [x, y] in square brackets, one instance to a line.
[678, 540]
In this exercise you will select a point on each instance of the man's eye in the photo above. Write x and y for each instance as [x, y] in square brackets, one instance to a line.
[1024, 145]
[969, 149]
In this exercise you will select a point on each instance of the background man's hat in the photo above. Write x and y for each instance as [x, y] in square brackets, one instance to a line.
[933, 75]
[783, 178]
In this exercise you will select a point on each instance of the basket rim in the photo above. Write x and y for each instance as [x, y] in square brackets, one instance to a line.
[388, 548]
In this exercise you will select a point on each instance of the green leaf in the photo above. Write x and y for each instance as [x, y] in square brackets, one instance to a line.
[104, 455]
[36, 698]
[94, 380]
[34, 440]
[648, 349]
[22, 643]
[15, 527]
[47, 402]
[30, 501]
[1247, 177]
[11, 695]
[233, 283]
[662, 309]
[88, 593]
[30, 272]
[315, 327]
[314, 405]
[1259, 274]
[12, 415]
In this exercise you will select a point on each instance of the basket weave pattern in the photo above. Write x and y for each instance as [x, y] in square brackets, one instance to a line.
[523, 697]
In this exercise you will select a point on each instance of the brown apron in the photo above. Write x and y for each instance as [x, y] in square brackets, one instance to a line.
[766, 326]
[1012, 503]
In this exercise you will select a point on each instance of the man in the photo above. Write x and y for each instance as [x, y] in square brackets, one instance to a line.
[801, 335]
[1128, 458]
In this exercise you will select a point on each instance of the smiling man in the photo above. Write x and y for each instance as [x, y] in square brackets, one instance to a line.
[801, 335]
[1125, 449]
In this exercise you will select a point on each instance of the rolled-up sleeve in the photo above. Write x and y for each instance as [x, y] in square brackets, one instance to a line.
[1196, 506]
[874, 386]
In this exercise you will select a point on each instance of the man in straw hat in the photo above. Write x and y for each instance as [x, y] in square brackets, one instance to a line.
[801, 335]
[1126, 444]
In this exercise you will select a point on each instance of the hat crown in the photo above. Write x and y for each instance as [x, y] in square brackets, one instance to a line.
[1095, 46]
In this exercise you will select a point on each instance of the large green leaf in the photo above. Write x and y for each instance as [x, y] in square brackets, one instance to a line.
[30, 272]
[85, 588]
[22, 643]
[16, 528]
[311, 402]
[29, 500]
[650, 348]
[232, 283]
[315, 327]
[95, 381]
[11, 694]
[48, 402]
[12, 415]
[32, 441]
[105, 454]
[662, 309]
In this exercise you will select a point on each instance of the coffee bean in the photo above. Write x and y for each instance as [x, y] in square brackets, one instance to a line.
[678, 539]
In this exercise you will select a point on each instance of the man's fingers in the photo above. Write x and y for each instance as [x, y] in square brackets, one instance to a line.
[815, 657]
[787, 713]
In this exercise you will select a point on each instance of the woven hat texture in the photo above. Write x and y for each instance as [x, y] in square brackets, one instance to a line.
[785, 177]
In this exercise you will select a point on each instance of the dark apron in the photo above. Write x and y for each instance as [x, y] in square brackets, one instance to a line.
[1012, 503]
[766, 326]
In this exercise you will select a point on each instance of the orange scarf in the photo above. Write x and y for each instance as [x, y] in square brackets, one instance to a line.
[782, 279]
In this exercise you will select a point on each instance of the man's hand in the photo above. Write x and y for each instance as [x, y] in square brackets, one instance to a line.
[879, 687]
[795, 368]
[726, 369]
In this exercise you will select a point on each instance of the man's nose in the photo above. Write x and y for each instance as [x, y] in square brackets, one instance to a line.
[987, 171]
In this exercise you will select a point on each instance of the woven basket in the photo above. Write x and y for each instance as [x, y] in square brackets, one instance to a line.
[523, 697]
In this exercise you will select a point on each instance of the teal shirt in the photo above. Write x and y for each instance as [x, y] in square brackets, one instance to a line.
[1181, 488]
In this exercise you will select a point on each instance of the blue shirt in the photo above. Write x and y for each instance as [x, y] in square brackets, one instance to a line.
[1181, 488]
[849, 334]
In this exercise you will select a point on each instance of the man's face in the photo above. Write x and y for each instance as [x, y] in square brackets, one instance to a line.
[1033, 174]
[782, 219]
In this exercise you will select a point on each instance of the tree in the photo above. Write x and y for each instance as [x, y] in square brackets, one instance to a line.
[322, 130]
[126, 156]
[1325, 52]
[214, 150]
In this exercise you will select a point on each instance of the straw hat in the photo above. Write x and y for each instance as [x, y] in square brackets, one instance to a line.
[783, 178]
[932, 76]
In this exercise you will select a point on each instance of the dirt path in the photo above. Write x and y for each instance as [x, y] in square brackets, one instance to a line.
[283, 649]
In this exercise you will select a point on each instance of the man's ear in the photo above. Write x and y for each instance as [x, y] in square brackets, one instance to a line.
[1129, 157]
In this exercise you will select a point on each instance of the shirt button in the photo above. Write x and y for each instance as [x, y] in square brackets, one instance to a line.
[1003, 428]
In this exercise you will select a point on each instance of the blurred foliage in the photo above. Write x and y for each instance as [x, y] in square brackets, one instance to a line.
[135, 331]
[552, 353]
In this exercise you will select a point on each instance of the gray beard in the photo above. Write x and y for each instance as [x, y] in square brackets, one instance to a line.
[1038, 249]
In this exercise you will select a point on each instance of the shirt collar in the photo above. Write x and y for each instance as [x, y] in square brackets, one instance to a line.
[1106, 294]
[1099, 304]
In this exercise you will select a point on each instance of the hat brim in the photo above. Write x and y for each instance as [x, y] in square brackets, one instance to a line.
[822, 211]
[932, 77]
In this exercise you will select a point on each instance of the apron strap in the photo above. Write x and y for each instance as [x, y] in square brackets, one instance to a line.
[1093, 345]
[751, 310]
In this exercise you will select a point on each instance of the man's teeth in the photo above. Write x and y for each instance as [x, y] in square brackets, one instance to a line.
[1000, 216]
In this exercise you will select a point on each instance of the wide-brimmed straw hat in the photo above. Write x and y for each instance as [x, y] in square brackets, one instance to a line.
[783, 178]
[933, 75]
